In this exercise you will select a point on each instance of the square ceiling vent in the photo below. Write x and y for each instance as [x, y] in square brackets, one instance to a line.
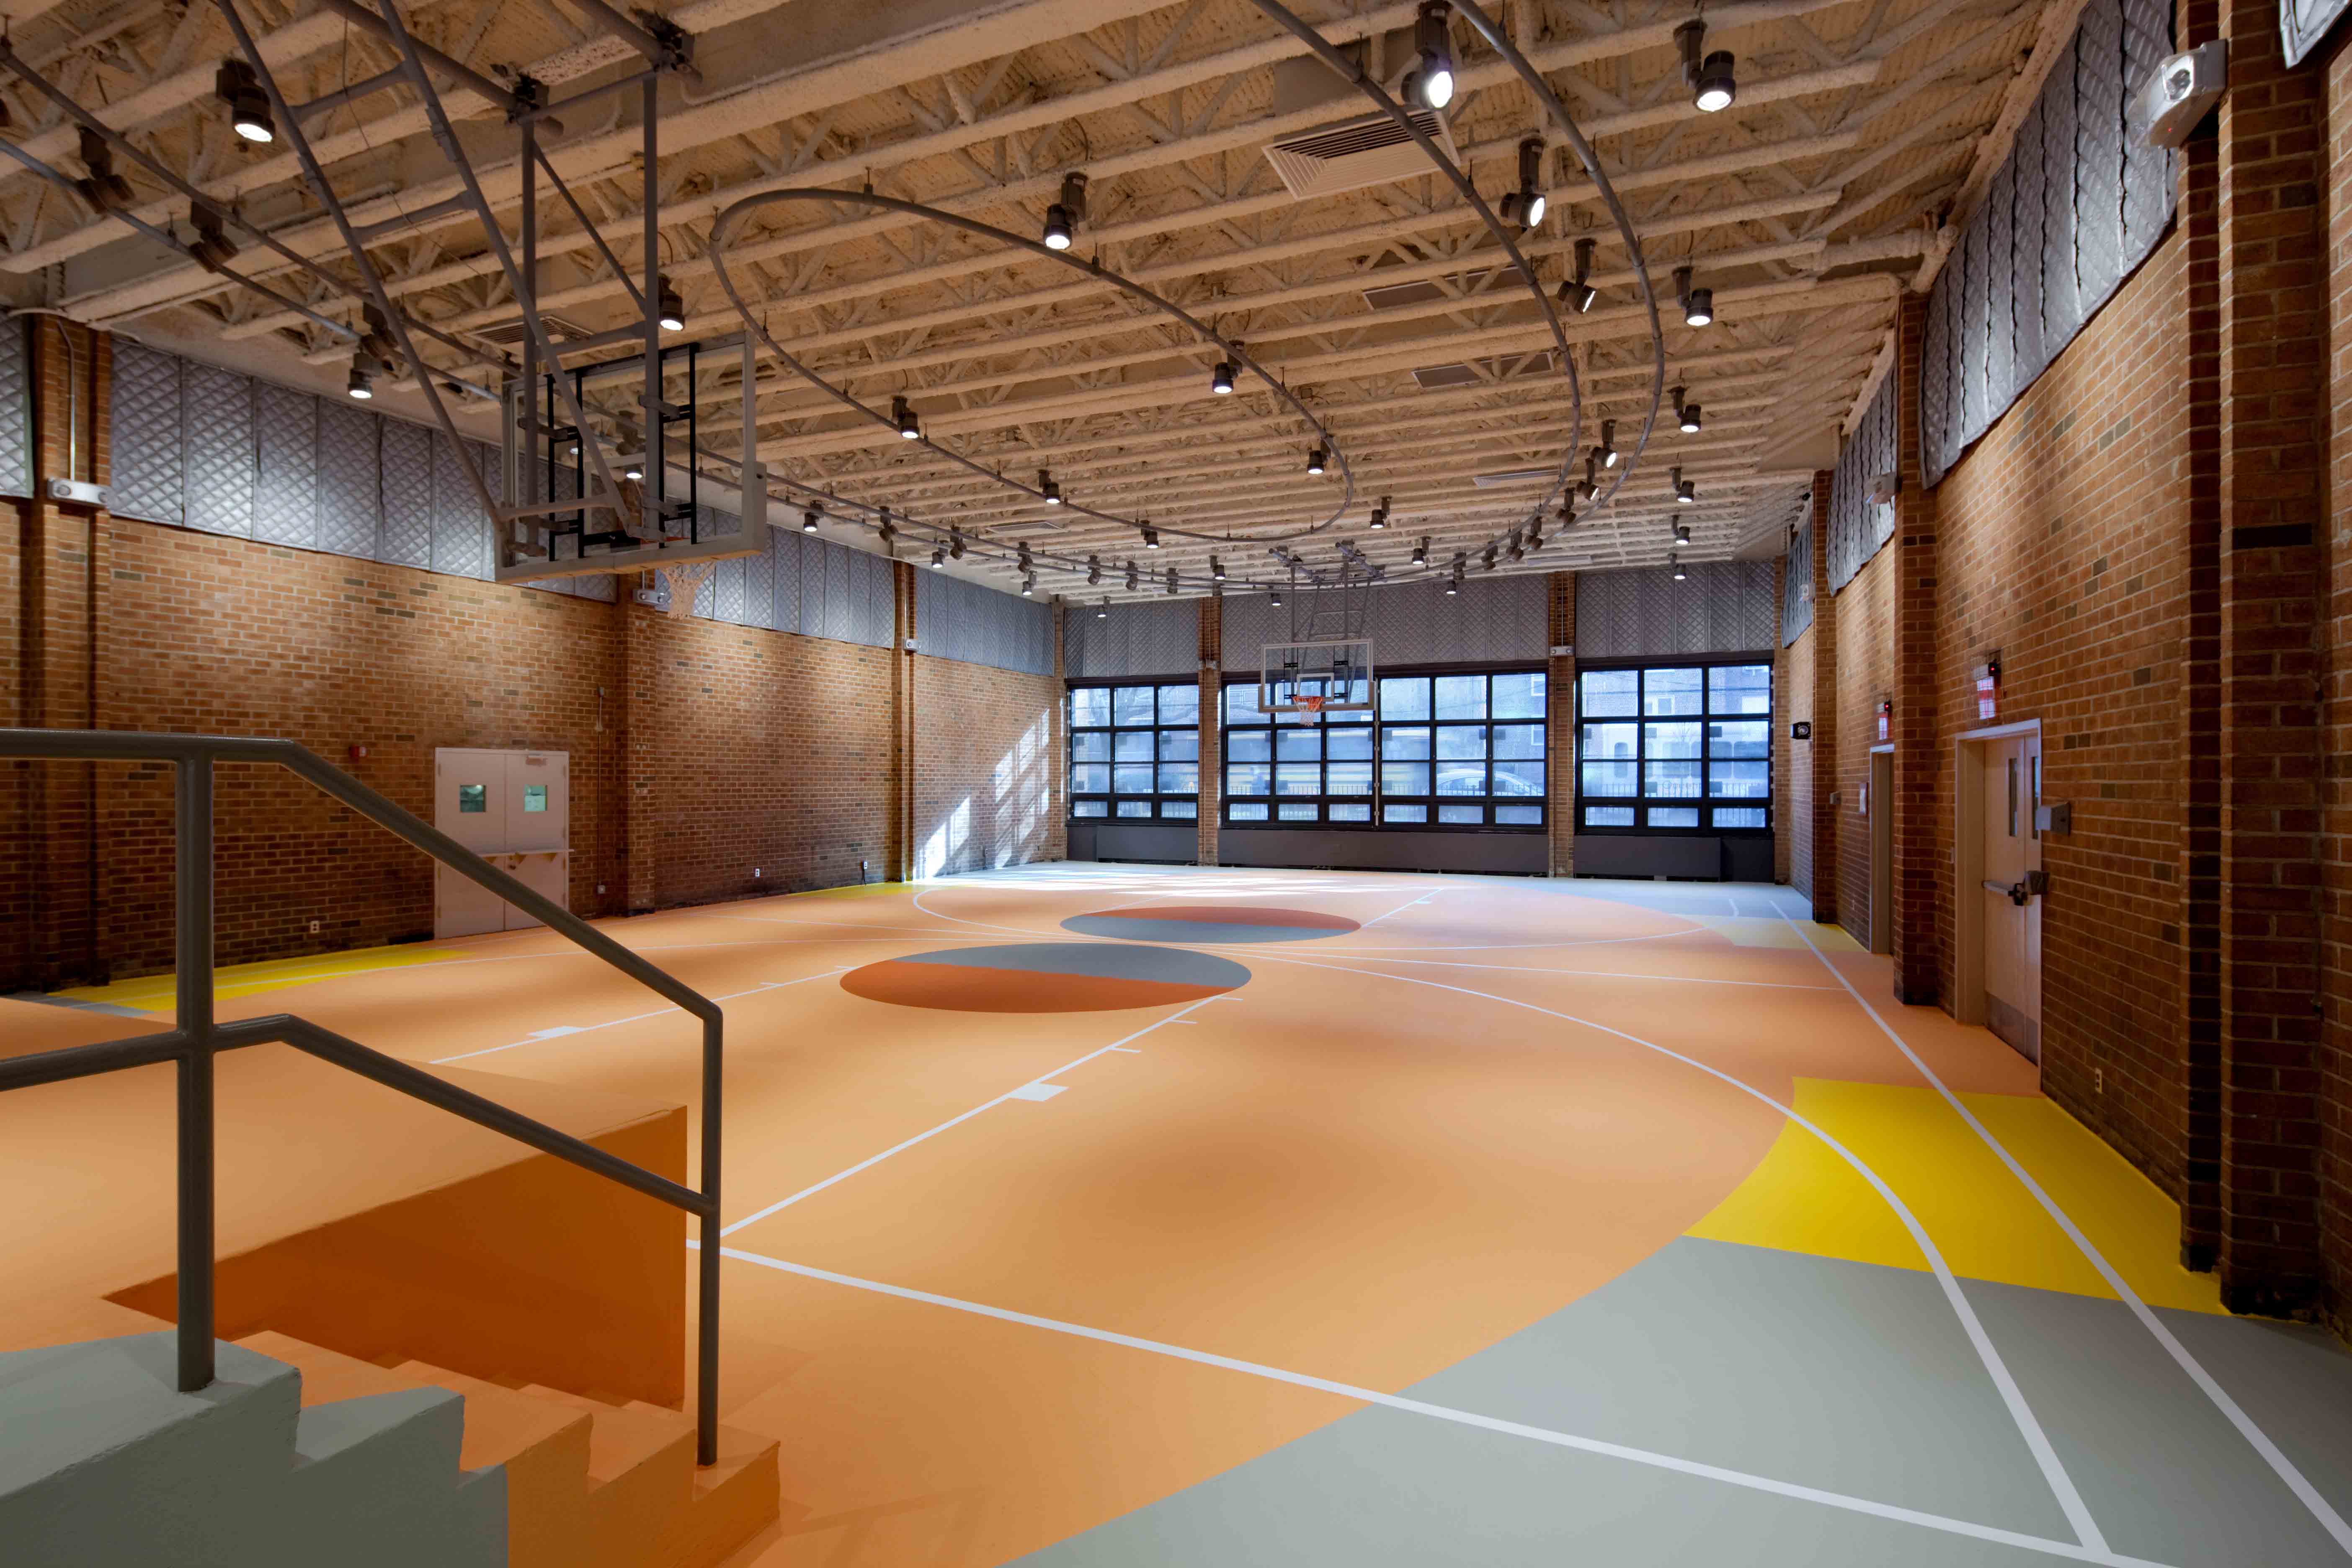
[1370, 151]
[1484, 371]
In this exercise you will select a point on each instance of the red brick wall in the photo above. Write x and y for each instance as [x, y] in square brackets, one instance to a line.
[989, 775]
[2062, 546]
[1792, 675]
[1865, 673]
[1784, 820]
[2335, 1167]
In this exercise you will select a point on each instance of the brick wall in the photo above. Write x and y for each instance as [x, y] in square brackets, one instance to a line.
[2063, 548]
[2334, 1155]
[1865, 673]
[1793, 703]
[1783, 818]
[987, 771]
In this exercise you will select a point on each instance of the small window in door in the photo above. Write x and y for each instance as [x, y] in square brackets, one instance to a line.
[473, 797]
[534, 797]
[2012, 797]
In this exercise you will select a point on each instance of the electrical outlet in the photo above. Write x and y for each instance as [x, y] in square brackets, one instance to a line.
[755, 873]
[2099, 1081]
[600, 889]
[314, 928]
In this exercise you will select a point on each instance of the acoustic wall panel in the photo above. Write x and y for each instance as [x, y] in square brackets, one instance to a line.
[146, 479]
[286, 467]
[2075, 208]
[1147, 637]
[1857, 527]
[217, 458]
[345, 488]
[407, 485]
[1724, 606]
[17, 409]
[968, 621]
[1796, 587]
[1493, 620]
[728, 591]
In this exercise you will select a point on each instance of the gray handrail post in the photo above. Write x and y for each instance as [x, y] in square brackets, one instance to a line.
[193, 887]
[705, 1346]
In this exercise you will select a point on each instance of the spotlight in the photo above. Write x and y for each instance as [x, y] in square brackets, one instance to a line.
[1062, 217]
[1535, 533]
[1029, 584]
[670, 304]
[888, 530]
[213, 249]
[1430, 83]
[1094, 571]
[1453, 584]
[361, 385]
[1150, 537]
[1275, 599]
[237, 85]
[1686, 414]
[632, 472]
[1316, 460]
[1420, 554]
[1131, 577]
[1048, 488]
[1525, 206]
[938, 558]
[1379, 515]
[1172, 580]
[1102, 611]
[1216, 568]
[103, 188]
[1577, 293]
[1567, 516]
[1685, 490]
[1516, 550]
[1710, 76]
[955, 543]
[908, 428]
[811, 518]
[1698, 304]
[1025, 563]
[1608, 443]
[1682, 533]
[1221, 379]
[1676, 562]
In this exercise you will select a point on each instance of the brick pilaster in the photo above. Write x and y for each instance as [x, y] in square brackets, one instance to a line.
[1917, 754]
[1821, 756]
[1782, 837]
[1559, 729]
[898, 855]
[1213, 773]
[641, 745]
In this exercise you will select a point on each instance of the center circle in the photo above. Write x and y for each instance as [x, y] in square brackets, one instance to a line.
[1210, 923]
[1046, 977]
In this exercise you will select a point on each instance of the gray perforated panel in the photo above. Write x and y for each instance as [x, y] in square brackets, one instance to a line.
[2074, 210]
[407, 487]
[461, 529]
[147, 479]
[1149, 637]
[1857, 526]
[1938, 352]
[285, 494]
[1796, 587]
[1724, 606]
[218, 459]
[17, 409]
[347, 490]
[1493, 620]
[760, 587]
[787, 557]
[727, 592]
[967, 621]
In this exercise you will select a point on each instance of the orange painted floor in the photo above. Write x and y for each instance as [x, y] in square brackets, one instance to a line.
[1105, 1284]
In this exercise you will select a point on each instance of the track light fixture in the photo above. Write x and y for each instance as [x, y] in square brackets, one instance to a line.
[1094, 571]
[1567, 514]
[1487, 559]
[1712, 77]
[1216, 568]
[1317, 457]
[1526, 206]
[1063, 216]
[1150, 537]
[1379, 515]
[1221, 379]
[938, 558]
[1102, 610]
[811, 518]
[1420, 554]
[1686, 412]
[362, 384]
[909, 427]
[1275, 599]
[1029, 584]
[102, 188]
[1024, 561]
[1535, 533]
[1682, 533]
[1578, 293]
[1516, 550]
[237, 85]
[1591, 485]
[632, 472]
[1453, 584]
[1685, 490]
[213, 249]
[1676, 562]
[1172, 580]
[1698, 304]
[955, 543]
[1430, 83]
[1132, 577]
[669, 305]
[889, 531]
[1048, 488]
[1608, 443]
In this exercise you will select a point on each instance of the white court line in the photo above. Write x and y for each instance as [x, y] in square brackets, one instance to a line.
[2062, 1485]
[1399, 910]
[1013, 1093]
[1588, 973]
[2272, 1454]
[544, 1035]
[2067, 1550]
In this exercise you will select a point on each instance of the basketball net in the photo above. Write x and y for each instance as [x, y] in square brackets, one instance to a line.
[1314, 708]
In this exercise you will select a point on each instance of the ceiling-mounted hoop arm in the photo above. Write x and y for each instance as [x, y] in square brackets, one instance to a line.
[1533, 80]
[722, 234]
[1353, 71]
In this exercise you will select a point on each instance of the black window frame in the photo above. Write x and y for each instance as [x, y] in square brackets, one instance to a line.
[1377, 798]
[1189, 800]
[1707, 803]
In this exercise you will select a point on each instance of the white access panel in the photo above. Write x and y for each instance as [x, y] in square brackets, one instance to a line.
[513, 808]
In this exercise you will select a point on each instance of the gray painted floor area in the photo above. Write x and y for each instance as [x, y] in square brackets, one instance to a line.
[1847, 1377]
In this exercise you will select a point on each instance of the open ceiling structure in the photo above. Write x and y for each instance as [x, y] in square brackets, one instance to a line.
[1806, 207]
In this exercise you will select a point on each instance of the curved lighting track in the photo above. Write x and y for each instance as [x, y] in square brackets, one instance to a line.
[722, 234]
[1353, 72]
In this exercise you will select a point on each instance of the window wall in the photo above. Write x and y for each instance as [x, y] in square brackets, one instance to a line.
[1436, 750]
[1135, 751]
[1674, 747]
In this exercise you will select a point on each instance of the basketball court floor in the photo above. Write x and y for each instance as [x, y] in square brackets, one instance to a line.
[1089, 1215]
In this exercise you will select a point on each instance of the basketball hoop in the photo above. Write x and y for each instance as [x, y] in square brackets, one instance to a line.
[1312, 706]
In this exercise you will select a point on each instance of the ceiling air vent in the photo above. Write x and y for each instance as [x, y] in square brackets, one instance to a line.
[1512, 476]
[1484, 371]
[1471, 286]
[1372, 151]
[509, 334]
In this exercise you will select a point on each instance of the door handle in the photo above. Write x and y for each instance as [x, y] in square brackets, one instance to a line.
[2033, 885]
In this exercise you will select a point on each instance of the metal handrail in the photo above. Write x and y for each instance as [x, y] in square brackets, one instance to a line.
[196, 1037]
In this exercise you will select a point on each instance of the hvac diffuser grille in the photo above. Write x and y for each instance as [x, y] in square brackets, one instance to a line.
[1371, 151]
